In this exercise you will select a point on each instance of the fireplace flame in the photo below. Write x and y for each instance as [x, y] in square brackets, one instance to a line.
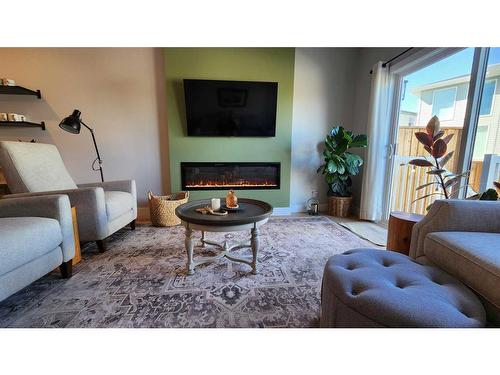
[229, 184]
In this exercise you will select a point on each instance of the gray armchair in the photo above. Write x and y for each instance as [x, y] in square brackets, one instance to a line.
[36, 237]
[462, 237]
[35, 169]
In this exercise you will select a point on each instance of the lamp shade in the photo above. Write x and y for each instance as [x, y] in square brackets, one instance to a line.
[72, 123]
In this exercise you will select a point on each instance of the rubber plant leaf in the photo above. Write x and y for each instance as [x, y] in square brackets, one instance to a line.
[439, 148]
[433, 126]
[427, 184]
[452, 181]
[436, 171]
[448, 138]
[446, 158]
[421, 163]
[427, 196]
[424, 138]
[438, 135]
[452, 175]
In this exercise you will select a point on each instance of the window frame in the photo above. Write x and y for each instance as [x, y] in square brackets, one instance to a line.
[492, 97]
[420, 59]
[475, 139]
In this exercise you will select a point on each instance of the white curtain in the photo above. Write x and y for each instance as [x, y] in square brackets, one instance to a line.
[375, 191]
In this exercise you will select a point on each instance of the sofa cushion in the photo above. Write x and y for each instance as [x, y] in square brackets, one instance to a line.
[385, 288]
[472, 257]
[26, 238]
[118, 203]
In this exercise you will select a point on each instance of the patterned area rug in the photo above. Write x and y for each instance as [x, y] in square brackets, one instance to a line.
[141, 281]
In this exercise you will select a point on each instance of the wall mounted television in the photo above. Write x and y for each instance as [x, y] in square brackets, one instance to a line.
[230, 108]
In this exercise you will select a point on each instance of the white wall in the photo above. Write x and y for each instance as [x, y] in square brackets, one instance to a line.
[118, 91]
[323, 94]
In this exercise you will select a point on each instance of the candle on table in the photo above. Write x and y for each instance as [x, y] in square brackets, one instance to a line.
[215, 204]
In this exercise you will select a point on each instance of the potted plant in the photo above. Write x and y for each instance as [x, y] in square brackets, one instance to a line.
[339, 165]
[490, 194]
[436, 144]
[447, 184]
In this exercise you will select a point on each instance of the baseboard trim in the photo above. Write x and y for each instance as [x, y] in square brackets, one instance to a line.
[296, 208]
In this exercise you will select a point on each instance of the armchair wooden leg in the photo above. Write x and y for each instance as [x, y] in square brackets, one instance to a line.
[132, 225]
[66, 269]
[101, 245]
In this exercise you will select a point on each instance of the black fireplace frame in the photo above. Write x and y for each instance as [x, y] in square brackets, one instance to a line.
[223, 164]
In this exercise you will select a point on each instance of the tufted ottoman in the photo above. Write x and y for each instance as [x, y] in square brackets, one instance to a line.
[377, 288]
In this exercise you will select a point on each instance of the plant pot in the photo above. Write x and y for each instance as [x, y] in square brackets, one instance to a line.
[339, 206]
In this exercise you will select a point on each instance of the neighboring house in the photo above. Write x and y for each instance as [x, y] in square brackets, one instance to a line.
[407, 118]
[447, 100]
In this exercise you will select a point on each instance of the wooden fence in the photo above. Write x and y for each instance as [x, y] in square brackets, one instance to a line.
[407, 178]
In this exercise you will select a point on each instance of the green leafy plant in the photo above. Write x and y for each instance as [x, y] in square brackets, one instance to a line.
[436, 144]
[340, 164]
[489, 195]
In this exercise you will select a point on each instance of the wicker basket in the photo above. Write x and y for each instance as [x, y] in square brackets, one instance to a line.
[162, 208]
[339, 206]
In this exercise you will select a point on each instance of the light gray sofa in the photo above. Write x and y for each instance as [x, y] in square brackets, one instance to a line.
[36, 237]
[450, 279]
[34, 169]
[462, 237]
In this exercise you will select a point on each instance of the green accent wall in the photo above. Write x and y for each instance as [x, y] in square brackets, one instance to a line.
[238, 64]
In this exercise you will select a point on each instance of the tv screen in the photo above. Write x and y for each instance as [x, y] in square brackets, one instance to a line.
[230, 108]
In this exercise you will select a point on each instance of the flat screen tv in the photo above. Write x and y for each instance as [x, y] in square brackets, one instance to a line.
[230, 108]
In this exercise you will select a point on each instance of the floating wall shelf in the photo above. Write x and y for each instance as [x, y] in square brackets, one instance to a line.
[23, 124]
[19, 90]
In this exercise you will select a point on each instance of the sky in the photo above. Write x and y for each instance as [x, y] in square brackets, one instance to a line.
[456, 65]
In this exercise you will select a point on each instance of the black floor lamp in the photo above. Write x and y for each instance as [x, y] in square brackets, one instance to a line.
[73, 124]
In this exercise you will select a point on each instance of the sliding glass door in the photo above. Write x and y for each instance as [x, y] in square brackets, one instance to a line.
[485, 163]
[462, 88]
[438, 89]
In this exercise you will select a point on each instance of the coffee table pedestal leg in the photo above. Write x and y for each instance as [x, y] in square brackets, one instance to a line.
[203, 244]
[255, 248]
[189, 248]
[226, 249]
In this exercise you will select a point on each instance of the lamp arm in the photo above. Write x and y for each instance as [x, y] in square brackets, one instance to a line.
[96, 149]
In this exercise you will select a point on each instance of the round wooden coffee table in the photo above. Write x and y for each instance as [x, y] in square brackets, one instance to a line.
[251, 215]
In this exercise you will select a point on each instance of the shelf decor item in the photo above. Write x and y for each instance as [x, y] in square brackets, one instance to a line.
[73, 124]
[215, 204]
[8, 82]
[12, 117]
[162, 208]
[339, 165]
[231, 199]
[208, 210]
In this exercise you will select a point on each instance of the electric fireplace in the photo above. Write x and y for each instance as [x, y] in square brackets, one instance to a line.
[230, 175]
